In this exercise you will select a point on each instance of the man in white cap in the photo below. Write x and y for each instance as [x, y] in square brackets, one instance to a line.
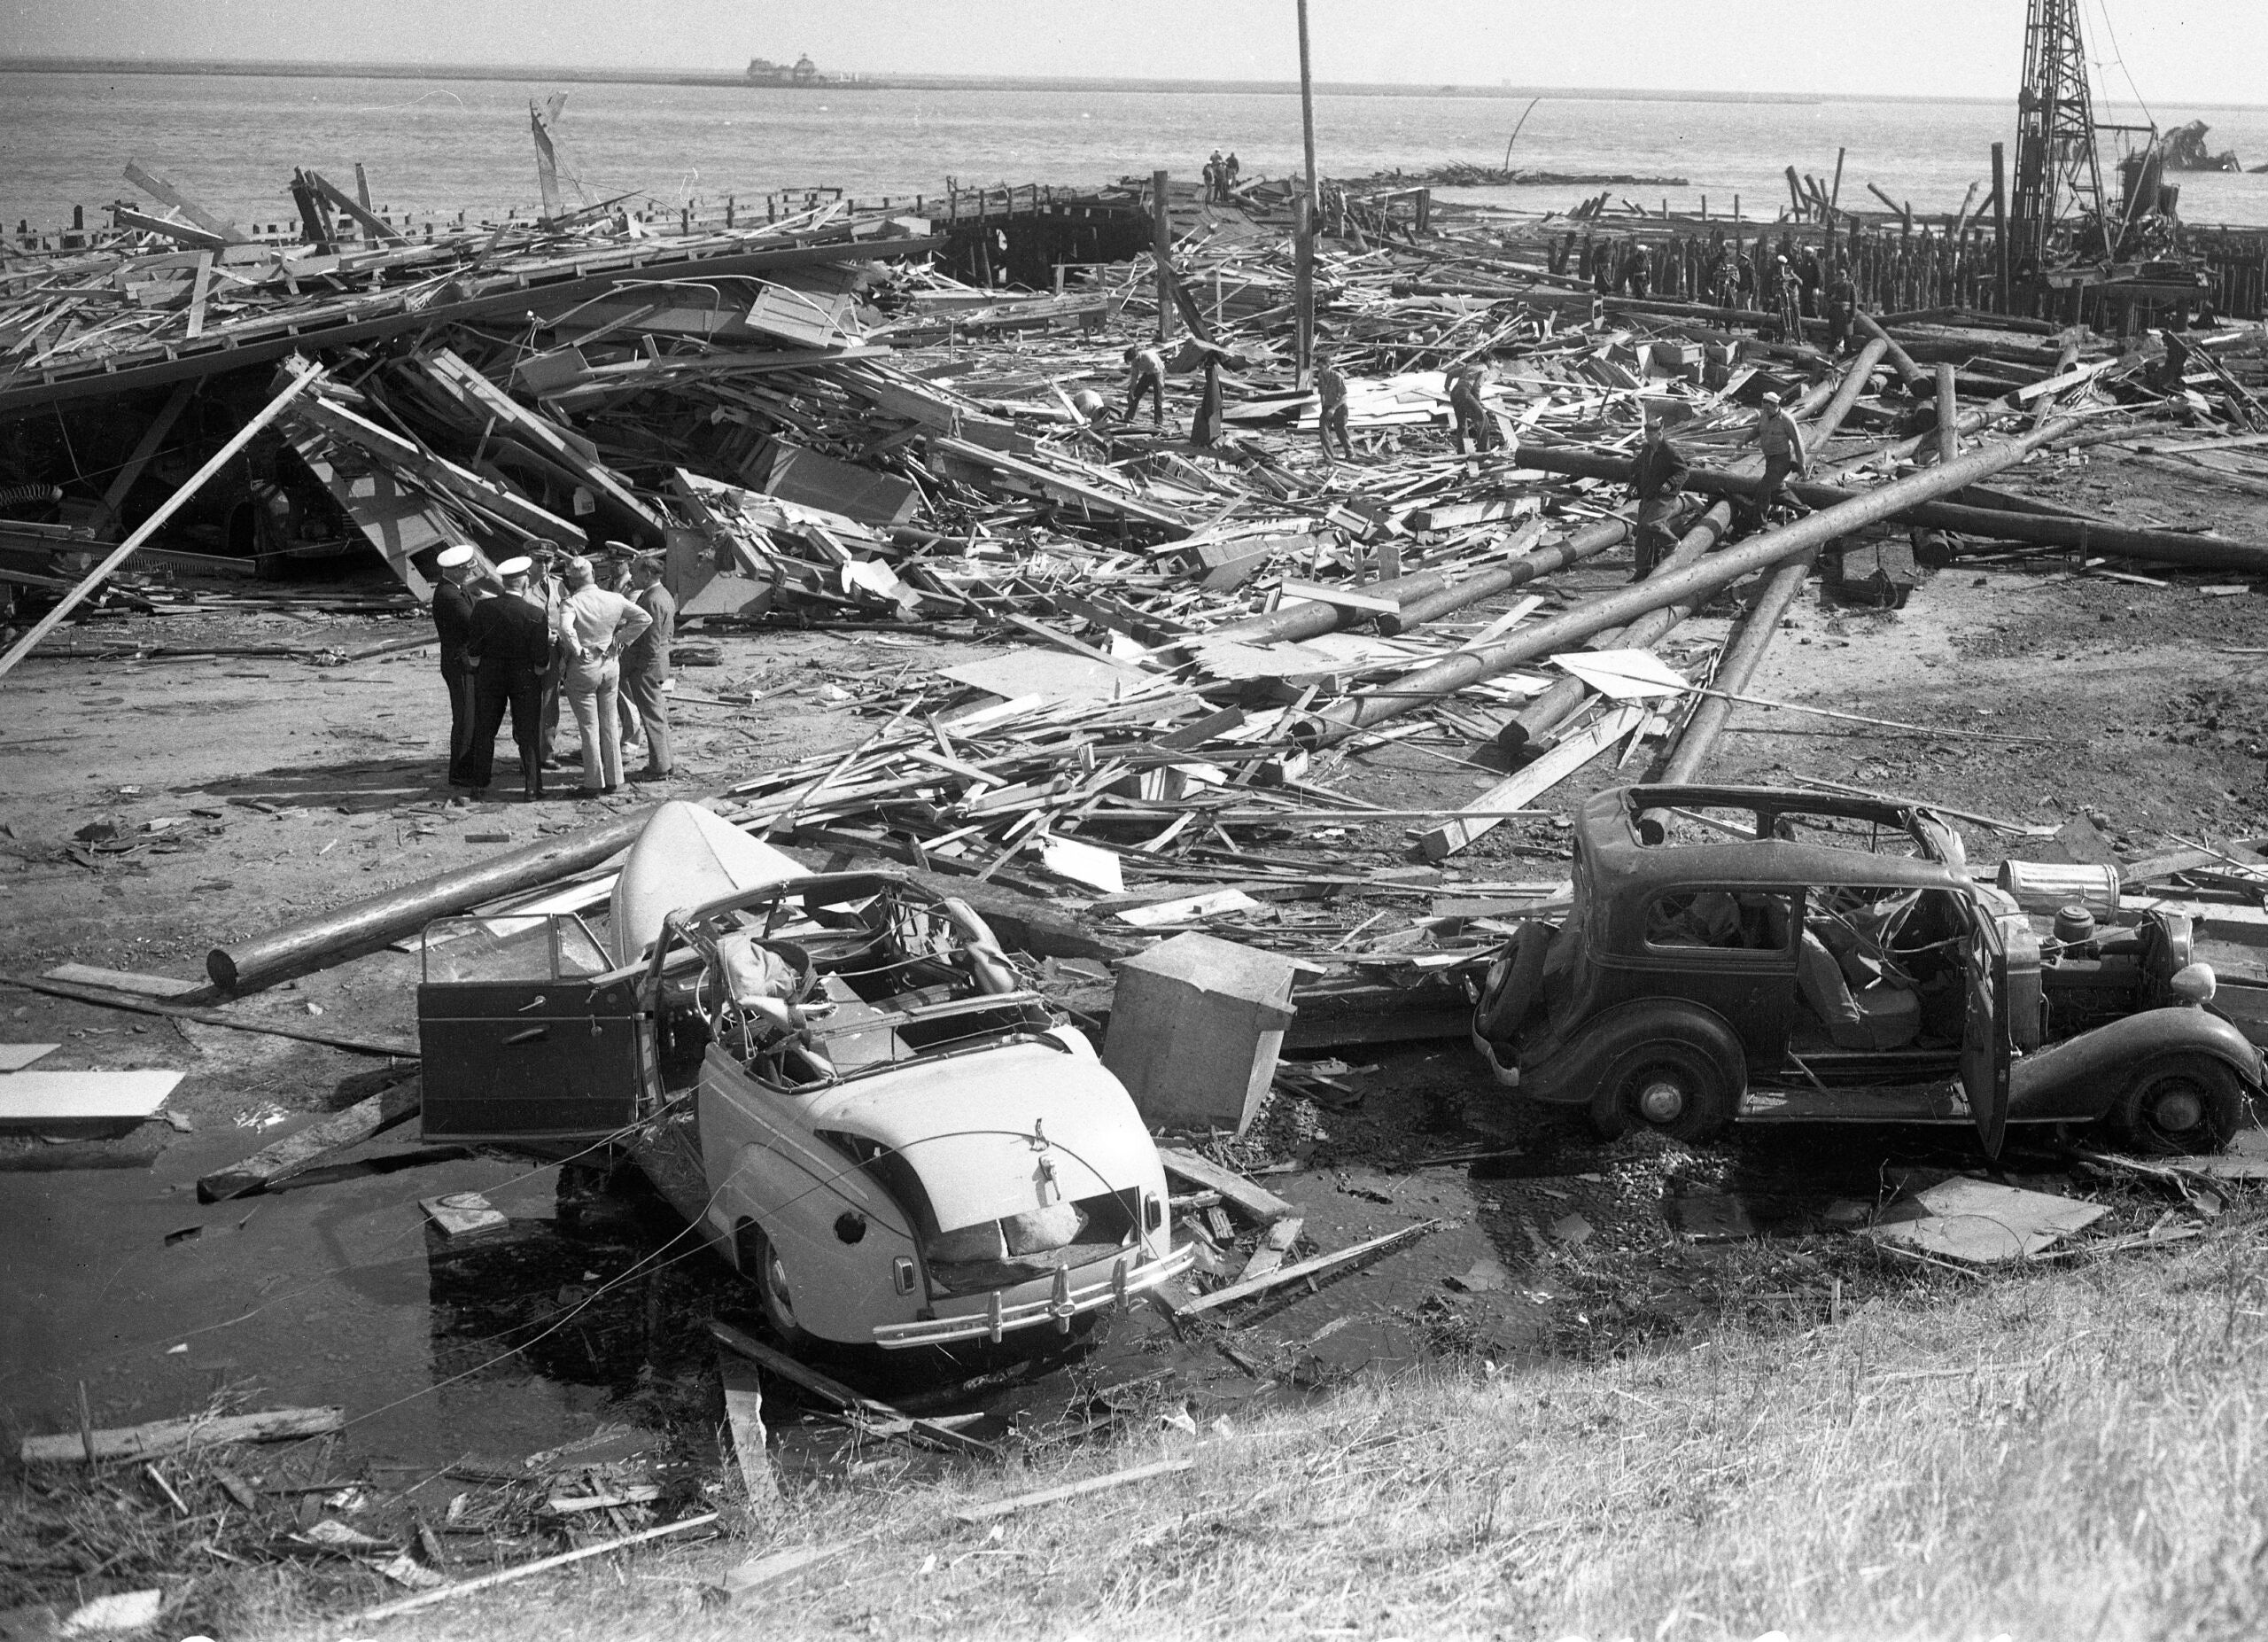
[452, 602]
[595, 628]
[1783, 443]
[509, 648]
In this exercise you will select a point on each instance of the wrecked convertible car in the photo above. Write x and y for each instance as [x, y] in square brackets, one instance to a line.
[840, 1081]
[1752, 953]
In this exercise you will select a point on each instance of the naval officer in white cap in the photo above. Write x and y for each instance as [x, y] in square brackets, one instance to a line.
[453, 604]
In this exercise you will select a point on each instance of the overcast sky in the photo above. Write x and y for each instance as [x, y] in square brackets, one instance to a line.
[2192, 52]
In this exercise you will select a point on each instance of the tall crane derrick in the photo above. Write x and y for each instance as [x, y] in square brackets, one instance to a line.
[2058, 169]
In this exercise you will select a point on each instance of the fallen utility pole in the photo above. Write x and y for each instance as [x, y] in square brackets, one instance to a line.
[1585, 543]
[1914, 378]
[1714, 574]
[1534, 723]
[369, 923]
[1309, 618]
[307, 378]
[2077, 533]
[1699, 738]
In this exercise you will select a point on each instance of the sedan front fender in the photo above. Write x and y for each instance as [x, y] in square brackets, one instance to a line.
[2078, 1079]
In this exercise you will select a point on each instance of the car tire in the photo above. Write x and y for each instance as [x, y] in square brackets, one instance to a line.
[1672, 1086]
[761, 1264]
[2179, 1104]
[1511, 986]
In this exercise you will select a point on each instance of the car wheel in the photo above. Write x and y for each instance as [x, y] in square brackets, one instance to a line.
[1676, 1088]
[761, 1264]
[2179, 1103]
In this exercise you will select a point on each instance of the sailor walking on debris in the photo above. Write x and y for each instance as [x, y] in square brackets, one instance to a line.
[646, 671]
[1657, 479]
[453, 606]
[594, 627]
[1145, 373]
[1331, 406]
[509, 650]
[1782, 441]
[1842, 309]
[1473, 424]
[1637, 269]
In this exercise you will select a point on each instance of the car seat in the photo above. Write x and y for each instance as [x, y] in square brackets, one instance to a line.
[1877, 1015]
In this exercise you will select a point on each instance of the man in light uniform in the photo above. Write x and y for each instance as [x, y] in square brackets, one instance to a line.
[1145, 373]
[1783, 443]
[595, 628]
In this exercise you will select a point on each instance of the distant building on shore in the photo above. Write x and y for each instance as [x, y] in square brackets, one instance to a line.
[763, 72]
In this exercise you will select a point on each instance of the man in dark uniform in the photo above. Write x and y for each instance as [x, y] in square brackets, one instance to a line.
[1331, 400]
[1637, 269]
[1842, 310]
[453, 607]
[646, 671]
[510, 647]
[1809, 278]
[1657, 479]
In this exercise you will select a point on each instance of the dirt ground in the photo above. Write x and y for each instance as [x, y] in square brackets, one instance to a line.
[271, 789]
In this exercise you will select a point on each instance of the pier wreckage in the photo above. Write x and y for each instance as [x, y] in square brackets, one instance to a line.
[883, 416]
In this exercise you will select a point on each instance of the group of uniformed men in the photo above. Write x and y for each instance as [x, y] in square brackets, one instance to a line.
[545, 627]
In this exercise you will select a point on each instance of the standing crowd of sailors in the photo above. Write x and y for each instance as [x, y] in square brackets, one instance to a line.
[545, 627]
[1221, 178]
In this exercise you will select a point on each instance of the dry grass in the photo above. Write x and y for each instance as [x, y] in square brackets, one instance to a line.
[2063, 1454]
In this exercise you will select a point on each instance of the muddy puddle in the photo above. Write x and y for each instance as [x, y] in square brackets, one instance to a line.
[338, 1293]
[585, 1311]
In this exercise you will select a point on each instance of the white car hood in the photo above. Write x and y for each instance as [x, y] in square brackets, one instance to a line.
[965, 1124]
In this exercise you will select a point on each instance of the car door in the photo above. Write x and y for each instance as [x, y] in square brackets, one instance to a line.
[1984, 1030]
[528, 1038]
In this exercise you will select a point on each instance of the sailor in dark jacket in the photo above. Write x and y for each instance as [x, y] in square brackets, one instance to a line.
[1657, 477]
[645, 703]
[509, 648]
[453, 606]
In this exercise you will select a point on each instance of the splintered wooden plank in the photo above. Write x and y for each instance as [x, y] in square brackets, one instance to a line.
[483, 399]
[744, 1417]
[1270, 1255]
[439, 471]
[1262, 1205]
[1074, 1490]
[880, 1416]
[165, 1436]
[302, 1150]
[1524, 786]
[124, 981]
[1319, 1265]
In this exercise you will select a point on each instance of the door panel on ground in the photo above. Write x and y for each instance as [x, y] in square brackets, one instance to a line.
[519, 1048]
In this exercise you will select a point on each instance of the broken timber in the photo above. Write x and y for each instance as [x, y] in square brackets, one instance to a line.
[167, 1436]
[1320, 1266]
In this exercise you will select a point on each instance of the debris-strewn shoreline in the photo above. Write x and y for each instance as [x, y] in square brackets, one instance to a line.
[951, 604]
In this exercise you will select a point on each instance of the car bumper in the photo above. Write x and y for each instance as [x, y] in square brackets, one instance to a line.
[997, 1317]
